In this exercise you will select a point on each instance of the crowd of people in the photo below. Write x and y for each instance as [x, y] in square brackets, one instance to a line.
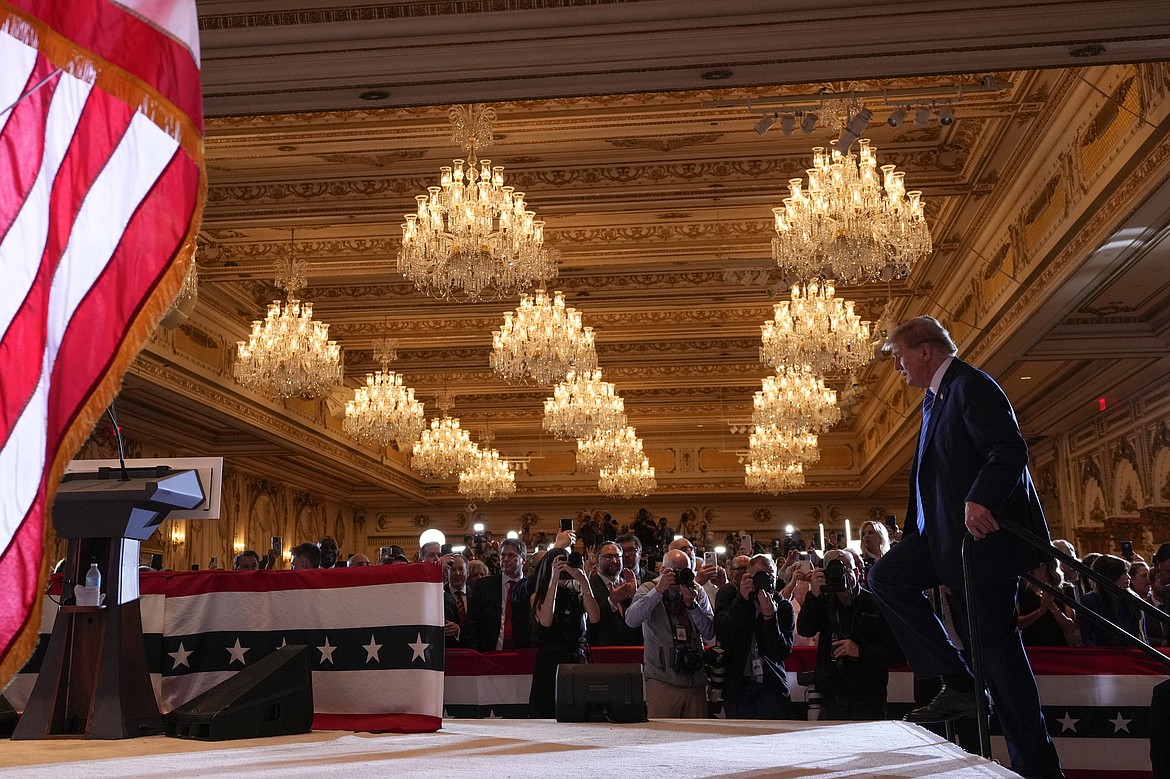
[718, 627]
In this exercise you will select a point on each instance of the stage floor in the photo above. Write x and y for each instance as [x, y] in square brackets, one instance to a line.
[679, 749]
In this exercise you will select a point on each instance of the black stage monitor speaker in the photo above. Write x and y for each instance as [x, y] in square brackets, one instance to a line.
[606, 692]
[7, 718]
[273, 697]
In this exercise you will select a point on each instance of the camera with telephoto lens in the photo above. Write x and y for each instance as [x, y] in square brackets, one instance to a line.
[575, 560]
[835, 576]
[684, 576]
[686, 660]
[764, 581]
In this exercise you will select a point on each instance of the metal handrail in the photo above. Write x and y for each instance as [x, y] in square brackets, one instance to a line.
[1044, 546]
[976, 648]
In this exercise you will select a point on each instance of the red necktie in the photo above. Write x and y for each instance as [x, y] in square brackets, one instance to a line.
[508, 616]
[460, 608]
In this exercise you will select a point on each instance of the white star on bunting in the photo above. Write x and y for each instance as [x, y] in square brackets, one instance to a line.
[1120, 723]
[1068, 722]
[419, 648]
[180, 657]
[237, 653]
[326, 651]
[373, 650]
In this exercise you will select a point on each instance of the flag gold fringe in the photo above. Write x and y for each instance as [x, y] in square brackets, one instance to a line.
[91, 68]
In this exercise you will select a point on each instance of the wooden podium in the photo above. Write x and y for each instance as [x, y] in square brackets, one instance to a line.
[94, 680]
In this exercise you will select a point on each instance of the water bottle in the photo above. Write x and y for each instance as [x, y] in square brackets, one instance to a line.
[91, 594]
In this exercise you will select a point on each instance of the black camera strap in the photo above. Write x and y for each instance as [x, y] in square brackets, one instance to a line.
[681, 630]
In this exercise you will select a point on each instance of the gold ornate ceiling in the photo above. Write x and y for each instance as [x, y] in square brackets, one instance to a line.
[1047, 199]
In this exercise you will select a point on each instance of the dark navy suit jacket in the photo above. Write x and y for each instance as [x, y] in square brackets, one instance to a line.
[973, 451]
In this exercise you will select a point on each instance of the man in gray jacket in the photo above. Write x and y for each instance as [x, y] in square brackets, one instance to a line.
[676, 618]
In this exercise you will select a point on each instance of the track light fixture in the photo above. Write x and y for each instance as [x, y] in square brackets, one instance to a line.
[765, 123]
[809, 123]
[922, 117]
[852, 131]
[787, 124]
[946, 115]
[897, 116]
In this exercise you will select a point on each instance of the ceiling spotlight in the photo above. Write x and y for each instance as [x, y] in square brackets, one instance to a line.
[922, 117]
[946, 115]
[809, 123]
[765, 123]
[787, 123]
[853, 130]
[896, 117]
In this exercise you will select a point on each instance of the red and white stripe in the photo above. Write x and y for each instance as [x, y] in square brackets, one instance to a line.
[97, 197]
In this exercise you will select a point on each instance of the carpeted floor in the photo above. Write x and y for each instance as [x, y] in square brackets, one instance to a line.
[498, 749]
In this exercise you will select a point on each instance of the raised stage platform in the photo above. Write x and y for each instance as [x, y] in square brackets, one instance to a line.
[679, 749]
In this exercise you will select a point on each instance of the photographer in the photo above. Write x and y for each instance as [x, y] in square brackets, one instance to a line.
[856, 647]
[754, 625]
[675, 616]
[560, 604]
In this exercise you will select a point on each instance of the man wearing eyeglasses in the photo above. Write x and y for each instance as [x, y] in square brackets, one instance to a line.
[613, 586]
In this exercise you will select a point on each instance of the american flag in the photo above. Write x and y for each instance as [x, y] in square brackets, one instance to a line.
[101, 188]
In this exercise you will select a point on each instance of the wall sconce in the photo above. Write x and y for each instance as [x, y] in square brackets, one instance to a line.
[178, 533]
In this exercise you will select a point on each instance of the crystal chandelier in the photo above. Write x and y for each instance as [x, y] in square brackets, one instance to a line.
[289, 354]
[795, 399]
[626, 481]
[542, 341]
[861, 226]
[488, 477]
[384, 411]
[610, 449]
[816, 329]
[581, 405]
[444, 449]
[774, 479]
[473, 238]
[768, 446]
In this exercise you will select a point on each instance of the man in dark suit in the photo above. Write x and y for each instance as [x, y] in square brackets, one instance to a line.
[969, 474]
[754, 626]
[490, 620]
[455, 601]
[613, 588]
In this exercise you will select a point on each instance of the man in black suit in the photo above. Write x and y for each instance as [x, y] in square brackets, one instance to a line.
[613, 588]
[455, 600]
[969, 474]
[754, 625]
[490, 619]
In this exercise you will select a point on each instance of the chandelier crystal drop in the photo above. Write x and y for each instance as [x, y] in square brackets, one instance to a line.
[774, 480]
[816, 329]
[628, 482]
[289, 354]
[850, 223]
[610, 449]
[581, 405]
[795, 399]
[488, 477]
[770, 447]
[384, 411]
[472, 238]
[444, 449]
[542, 341]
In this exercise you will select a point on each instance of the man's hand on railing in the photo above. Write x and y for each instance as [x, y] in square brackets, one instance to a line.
[979, 521]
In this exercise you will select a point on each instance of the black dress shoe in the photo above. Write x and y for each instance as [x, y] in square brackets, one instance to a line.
[947, 705]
